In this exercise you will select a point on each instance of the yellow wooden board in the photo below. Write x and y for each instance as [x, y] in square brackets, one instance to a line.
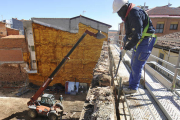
[52, 45]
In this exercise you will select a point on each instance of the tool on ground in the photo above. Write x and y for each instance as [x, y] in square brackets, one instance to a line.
[122, 53]
[47, 106]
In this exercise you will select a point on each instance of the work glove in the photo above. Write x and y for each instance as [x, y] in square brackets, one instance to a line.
[123, 53]
[126, 40]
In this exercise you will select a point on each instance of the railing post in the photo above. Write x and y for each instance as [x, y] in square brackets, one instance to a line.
[175, 74]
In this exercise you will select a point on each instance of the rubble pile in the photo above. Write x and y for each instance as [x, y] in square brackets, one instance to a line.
[12, 75]
[100, 99]
[101, 74]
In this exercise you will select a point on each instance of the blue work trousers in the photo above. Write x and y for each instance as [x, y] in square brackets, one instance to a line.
[138, 61]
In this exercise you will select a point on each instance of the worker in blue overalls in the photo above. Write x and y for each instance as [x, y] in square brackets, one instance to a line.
[141, 37]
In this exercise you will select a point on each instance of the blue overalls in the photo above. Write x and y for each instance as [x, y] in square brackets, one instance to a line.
[138, 61]
[140, 29]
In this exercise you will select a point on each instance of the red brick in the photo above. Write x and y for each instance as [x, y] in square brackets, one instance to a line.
[11, 55]
[10, 43]
[3, 31]
[11, 31]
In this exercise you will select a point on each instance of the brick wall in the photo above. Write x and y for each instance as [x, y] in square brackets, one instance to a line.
[14, 44]
[3, 31]
[12, 75]
[12, 31]
[10, 43]
[167, 23]
[11, 55]
[52, 45]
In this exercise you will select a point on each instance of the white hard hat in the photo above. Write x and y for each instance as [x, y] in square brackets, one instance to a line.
[117, 4]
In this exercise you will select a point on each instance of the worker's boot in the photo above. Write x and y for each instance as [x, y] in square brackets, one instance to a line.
[126, 83]
[129, 91]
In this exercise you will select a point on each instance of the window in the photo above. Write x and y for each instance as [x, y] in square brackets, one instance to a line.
[159, 28]
[173, 26]
[32, 48]
[162, 57]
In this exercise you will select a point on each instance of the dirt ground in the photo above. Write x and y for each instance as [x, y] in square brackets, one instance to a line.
[15, 108]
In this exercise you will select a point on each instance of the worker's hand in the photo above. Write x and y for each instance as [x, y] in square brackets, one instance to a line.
[121, 48]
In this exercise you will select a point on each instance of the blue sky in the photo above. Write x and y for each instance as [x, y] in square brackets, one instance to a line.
[100, 10]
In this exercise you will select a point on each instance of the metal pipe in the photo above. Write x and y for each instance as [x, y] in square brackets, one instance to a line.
[66, 57]
[175, 75]
[170, 64]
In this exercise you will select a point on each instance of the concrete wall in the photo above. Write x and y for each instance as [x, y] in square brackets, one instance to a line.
[52, 45]
[167, 23]
[29, 37]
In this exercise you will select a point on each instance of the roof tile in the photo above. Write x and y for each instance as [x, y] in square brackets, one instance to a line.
[164, 10]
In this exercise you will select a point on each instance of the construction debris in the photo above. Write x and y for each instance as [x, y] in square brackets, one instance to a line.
[100, 99]
[12, 75]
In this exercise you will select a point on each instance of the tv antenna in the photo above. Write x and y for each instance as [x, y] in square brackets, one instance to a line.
[84, 12]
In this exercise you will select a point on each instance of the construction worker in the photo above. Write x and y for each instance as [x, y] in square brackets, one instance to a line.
[141, 37]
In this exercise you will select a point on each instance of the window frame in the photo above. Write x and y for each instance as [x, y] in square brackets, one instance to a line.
[158, 27]
[173, 27]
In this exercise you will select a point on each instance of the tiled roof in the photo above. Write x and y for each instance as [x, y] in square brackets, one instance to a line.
[163, 16]
[175, 36]
[164, 10]
[13, 36]
[169, 41]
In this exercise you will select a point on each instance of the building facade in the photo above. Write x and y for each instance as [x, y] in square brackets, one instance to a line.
[165, 19]
[54, 37]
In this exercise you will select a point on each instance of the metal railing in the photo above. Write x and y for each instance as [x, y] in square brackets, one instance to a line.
[176, 70]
